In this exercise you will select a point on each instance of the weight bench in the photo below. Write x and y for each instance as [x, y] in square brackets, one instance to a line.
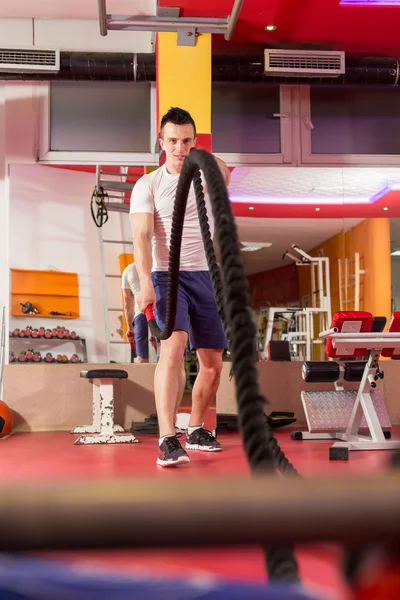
[346, 415]
[103, 430]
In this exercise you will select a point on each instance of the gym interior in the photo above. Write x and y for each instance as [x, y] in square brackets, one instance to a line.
[301, 102]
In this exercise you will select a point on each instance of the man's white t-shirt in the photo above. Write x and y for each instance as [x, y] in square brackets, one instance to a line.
[130, 281]
[154, 193]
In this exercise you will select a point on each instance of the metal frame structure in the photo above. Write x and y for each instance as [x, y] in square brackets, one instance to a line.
[365, 405]
[349, 279]
[320, 292]
[168, 19]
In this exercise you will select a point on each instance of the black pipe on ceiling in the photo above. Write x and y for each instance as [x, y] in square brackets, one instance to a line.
[359, 72]
[141, 67]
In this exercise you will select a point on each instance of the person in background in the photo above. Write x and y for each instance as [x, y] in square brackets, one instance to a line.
[138, 329]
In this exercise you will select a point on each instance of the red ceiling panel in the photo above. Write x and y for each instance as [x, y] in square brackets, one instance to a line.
[358, 30]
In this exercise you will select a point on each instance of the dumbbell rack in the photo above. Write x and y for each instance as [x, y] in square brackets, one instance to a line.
[41, 341]
[365, 408]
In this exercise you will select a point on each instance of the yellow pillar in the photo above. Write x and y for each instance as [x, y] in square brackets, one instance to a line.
[184, 80]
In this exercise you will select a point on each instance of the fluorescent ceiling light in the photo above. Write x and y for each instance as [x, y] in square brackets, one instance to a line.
[253, 246]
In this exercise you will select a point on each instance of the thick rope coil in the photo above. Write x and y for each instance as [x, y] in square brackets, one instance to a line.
[262, 450]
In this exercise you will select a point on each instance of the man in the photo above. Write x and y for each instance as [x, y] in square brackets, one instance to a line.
[136, 321]
[151, 212]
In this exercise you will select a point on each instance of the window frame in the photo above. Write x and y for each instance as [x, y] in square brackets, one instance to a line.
[46, 156]
[308, 158]
[285, 156]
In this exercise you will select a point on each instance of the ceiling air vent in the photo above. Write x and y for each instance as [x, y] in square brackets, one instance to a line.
[32, 60]
[304, 63]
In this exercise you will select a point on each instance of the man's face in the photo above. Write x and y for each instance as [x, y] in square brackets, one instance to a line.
[177, 140]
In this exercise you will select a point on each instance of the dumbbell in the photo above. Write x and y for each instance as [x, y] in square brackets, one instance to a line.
[74, 336]
[16, 332]
[67, 334]
[22, 357]
[21, 334]
[28, 331]
[11, 357]
[75, 358]
[41, 331]
[29, 354]
[36, 357]
[35, 333]
[49, 358]
[47, 334]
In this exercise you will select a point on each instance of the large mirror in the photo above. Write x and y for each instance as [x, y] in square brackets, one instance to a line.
[68, 268]
[333, 249]
[314, 241]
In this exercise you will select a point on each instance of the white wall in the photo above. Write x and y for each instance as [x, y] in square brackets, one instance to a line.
[51, 228]
[18, 143]
[71, 34]
[50, 205]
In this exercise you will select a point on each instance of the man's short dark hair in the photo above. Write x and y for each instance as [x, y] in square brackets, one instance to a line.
[177, 116]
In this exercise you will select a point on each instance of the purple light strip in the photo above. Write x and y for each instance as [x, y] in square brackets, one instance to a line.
[236, 199]
[370, 2]
[299, 201]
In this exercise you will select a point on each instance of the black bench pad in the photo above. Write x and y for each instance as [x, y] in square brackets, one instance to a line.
[104, 374]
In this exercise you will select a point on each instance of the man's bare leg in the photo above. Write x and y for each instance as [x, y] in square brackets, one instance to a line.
[204, 391]
[206, 384]
[181, 391]
[168, 381]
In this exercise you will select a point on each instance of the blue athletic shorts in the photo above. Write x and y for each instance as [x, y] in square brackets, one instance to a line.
[141, 336]
[196, 311]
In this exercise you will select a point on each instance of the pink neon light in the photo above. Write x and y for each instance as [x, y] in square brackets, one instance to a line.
[371, 2]
[236, 198]
[300, 201]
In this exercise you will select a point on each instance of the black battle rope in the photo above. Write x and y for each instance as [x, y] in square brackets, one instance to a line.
[261, 448]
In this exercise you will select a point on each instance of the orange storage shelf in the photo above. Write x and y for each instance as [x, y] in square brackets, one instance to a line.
[47, 290]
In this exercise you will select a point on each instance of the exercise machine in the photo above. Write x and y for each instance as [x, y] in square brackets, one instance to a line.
[358, 419]
[300, 330]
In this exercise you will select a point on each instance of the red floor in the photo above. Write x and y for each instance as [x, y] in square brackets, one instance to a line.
[53, 456]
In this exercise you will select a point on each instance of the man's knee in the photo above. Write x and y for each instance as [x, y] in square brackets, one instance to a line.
[211, 364]
[172, 350]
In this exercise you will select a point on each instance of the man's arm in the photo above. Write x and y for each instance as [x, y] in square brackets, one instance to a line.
[226, 174]
[142, 230]
[129, 308]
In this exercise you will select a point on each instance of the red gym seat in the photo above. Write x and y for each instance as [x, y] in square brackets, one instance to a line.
[354, 321]
[394, 327]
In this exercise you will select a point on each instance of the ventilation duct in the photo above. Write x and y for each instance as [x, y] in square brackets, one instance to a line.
[359, 72]
[31, 60]
[304, 63]
[99, 66]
